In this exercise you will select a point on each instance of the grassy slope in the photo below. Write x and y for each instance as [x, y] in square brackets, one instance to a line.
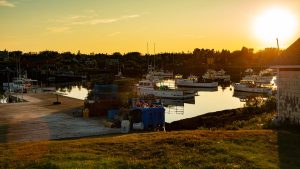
[180, 149]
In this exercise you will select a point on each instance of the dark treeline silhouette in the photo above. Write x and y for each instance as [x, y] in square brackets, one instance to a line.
[135, 64]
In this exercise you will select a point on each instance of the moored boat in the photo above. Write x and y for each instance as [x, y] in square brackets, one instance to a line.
[251, 86]
[216, 75]
[147, 87]
[155, 75]
[193, 81]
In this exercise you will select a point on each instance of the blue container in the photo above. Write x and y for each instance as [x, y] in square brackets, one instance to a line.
[153, 117]
[111, 113]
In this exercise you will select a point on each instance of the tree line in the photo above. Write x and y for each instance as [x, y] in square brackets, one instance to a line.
[135, 63]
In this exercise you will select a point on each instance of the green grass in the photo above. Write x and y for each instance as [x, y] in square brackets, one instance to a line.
[180, 149]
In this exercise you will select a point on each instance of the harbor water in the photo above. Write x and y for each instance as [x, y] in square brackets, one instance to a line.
[207, 100]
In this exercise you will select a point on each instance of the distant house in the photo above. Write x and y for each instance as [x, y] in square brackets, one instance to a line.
[288, 84]
[288, 92]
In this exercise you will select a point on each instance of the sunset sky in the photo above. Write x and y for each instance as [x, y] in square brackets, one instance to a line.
[107, 26]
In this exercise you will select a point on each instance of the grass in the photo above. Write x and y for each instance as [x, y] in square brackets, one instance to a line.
[245, 142]
[180, 149]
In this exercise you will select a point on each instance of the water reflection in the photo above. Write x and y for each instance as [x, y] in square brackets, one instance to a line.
[245, 96]
[206, 101]
[77, 92]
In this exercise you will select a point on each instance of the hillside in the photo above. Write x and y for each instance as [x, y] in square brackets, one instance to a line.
[180, 149]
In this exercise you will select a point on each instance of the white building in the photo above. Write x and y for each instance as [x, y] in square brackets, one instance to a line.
[288, 92]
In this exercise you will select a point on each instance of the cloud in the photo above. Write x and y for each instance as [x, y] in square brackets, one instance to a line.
[5, 3]
[58, 29]
[64, 24]
[130, 16]
[113, 34]
[91, 19]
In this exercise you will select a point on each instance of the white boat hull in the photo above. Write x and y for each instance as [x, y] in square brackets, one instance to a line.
[170, 94]
[191, 83]
[243, 88]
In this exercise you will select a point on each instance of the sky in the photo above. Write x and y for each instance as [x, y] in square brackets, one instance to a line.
[107, 26]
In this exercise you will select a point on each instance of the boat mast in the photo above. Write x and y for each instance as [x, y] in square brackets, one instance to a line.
[277, 44]
[154, 54]
[147, 55]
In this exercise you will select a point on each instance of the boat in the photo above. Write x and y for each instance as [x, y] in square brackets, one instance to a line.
[147, 87]
[251, 77]
[216, 75]
[193, 81]
[20, 85]
[155, 75]
[264, 77]
[251, 86]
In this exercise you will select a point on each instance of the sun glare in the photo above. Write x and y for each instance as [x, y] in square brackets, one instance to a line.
[275, 23]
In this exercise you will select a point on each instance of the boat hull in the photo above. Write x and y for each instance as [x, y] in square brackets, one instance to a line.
[167, 94]
[189, 83]
[242, 88]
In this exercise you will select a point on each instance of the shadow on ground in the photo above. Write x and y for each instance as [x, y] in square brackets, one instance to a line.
[289, 149]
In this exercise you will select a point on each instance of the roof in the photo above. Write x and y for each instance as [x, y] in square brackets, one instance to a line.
[290, 56]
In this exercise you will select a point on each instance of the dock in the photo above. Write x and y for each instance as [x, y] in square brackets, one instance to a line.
[39, 119]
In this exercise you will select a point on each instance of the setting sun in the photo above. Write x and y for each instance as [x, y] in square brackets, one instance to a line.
[275, 23]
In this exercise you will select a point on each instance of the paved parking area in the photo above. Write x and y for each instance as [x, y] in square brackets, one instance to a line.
[38, 119]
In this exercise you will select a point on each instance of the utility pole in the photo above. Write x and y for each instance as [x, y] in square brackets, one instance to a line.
[278, 49]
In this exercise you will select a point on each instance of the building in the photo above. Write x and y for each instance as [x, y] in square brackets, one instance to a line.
[288, 84]
[288, 93]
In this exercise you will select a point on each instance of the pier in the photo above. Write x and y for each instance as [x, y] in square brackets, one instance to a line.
[39, 119]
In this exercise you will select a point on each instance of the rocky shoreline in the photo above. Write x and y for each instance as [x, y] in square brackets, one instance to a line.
[219, 119]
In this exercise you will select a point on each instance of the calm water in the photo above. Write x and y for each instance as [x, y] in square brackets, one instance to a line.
[208, 100]
[77, 92]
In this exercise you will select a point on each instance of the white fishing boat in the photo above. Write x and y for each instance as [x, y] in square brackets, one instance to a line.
[251, 77]
[263, 77]
[193, 81]
[266, 76]
[155, 75]
[147, 87]
[251, 86]
[216, 75]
